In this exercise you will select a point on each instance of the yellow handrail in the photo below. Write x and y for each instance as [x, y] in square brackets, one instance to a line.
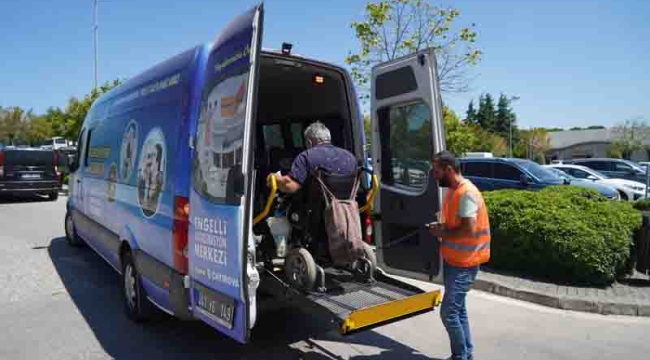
[371, 195]
[269, 201]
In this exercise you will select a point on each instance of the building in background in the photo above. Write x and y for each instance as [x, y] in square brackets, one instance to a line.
[593, 143]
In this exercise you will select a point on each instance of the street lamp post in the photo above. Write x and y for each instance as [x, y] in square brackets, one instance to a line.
[95, 28]
[510, 101]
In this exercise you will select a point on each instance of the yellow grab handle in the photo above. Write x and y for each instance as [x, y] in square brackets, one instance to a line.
[371, 195]
[269, 201]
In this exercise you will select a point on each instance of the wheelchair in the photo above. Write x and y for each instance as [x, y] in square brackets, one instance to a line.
[308, 253]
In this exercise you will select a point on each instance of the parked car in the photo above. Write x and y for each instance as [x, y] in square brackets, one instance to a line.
[501, 173]
[604, 190]
[628, 189]
[29, 171]
[613, 168]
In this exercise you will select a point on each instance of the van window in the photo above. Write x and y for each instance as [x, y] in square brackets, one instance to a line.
[273, 137]
[596, 165]
[405, 134]
[479, 169]
[396, 82]
[622, 167]
[297, 135]
[506, 172]
[61, 141]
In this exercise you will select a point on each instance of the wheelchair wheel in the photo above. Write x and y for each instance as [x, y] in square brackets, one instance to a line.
[369, 253]
[300, 269]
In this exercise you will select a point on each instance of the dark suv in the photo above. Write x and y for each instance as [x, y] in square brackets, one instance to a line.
[29, 171]
[499, 173]
[614, 168]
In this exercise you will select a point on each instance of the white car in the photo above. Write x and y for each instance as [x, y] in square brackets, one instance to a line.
[629, 190]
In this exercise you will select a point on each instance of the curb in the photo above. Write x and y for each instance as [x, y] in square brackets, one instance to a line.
[564, 303]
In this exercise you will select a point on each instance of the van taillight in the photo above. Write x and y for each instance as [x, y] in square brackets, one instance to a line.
[55, 162]
[2, 164]
[368, 227]
[180, 233]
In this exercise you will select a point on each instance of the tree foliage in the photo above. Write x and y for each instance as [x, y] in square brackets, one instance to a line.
[20, 126]
[630, 136]
[393, 28]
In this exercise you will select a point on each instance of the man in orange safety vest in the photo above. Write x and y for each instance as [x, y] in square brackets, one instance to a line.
[464, 235]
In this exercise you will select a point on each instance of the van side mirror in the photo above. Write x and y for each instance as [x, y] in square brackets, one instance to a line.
[592, 178]
[73, 165]
[525, 179]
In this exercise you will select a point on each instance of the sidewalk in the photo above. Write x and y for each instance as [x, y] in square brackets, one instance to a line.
[629, 297]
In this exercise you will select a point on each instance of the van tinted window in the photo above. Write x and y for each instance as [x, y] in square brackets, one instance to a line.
[506, 172]
[396, 82]
[596, 165]
[479, 169]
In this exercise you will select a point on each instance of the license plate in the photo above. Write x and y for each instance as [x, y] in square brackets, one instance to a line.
[31, 176]
[217, 307]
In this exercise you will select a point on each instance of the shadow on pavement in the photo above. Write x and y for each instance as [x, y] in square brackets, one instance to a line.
[22, 198]
[281, 333]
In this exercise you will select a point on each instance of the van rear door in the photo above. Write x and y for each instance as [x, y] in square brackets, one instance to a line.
[406, 115]
[221, 179]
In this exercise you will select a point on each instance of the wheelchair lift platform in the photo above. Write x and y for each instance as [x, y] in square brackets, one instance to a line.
[354, 305]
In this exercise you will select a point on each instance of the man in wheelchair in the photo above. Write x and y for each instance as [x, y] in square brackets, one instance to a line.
[322, 178]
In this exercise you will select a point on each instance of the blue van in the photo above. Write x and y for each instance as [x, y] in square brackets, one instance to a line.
[169, 183]
[503, 173]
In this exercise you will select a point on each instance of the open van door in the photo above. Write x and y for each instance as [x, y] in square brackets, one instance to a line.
[406, 115]
[221, 179]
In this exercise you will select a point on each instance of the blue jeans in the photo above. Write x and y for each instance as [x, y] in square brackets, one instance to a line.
[453, 310]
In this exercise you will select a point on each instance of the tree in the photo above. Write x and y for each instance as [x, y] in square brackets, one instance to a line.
[486, 113]
[532, 143]
[77, 109]
[393, 28]
[630, 136]
[13, 124]
[471, 115]
[503, 117]
[459, 137]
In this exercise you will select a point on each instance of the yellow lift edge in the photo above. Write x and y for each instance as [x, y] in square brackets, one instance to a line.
[377, 314]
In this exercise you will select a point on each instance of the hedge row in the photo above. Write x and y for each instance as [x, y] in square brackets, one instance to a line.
[562, 233]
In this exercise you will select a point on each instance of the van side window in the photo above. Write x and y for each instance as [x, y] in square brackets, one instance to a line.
[273, 137]
[478, 169]
[86, 147]
[596, 165]
[406, 139]
[80, 145]
[506, 172]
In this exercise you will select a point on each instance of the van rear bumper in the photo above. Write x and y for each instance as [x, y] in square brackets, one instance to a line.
[29, 187]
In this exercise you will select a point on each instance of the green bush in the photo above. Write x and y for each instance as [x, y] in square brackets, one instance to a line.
[642, 205]
[66, 179]
[562, 233]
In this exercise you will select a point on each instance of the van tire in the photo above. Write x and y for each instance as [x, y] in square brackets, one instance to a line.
[138, 308]
[71, 236]
[300, 269]
[53, 196]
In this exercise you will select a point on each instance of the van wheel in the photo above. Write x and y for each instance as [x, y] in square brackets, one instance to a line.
[623, 196]
[138, 308]
[71, 236]
[53, 196]
[300, 269]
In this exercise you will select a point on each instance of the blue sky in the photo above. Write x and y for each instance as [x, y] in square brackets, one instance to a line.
[572, 63]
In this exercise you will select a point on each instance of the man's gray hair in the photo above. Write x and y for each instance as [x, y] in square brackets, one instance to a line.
[318, 133]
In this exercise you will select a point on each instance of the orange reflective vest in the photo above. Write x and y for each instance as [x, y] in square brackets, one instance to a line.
[467, 251]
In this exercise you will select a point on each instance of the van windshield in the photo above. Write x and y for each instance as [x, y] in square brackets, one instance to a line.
[538, 171]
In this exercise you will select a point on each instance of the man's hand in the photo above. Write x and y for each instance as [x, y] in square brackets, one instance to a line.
[436, 229]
